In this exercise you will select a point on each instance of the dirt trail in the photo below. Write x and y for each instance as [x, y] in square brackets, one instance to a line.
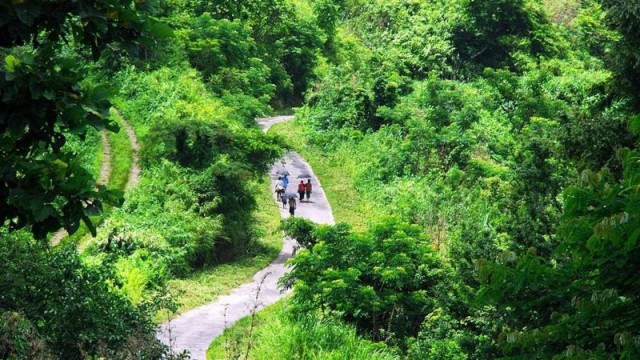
[105, 169]
[103, 179]
[134, 173]
[196, 329]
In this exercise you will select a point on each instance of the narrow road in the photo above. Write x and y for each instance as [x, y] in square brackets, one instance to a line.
[197, 328]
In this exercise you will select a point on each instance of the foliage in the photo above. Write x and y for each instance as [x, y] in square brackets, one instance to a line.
[81, 315]
[491, 30]
[44, 100]
[284, 37]
[578, 302]
[623, 18]
[206, 285]
[19, 339]
[225, 53]
[300, 229]
[383, 281]
[208, 155]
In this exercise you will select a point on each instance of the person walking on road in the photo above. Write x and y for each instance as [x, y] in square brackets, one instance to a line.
[301, 190]
[308, 188]
[285, 182]
[279, 189]
[292, 206]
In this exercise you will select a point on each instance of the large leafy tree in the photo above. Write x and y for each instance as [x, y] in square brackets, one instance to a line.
[45, 46]
[582, 300]
[492, 30]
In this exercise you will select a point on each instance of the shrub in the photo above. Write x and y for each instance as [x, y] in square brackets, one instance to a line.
[69, 303]
[300, 229]
[384, 281]
[19, 339]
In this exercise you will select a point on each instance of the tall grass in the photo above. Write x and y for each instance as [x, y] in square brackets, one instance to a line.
[122, 157]
[308, 337]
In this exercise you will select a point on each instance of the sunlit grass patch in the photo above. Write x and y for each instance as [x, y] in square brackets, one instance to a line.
[274, 333]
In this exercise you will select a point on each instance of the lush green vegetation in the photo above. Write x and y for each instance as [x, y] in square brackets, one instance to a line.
[274, 334]
[482, 152]
[55, 305]
[190, 78]
[507, 132]
[121, 157]
[204, 286]
[119, 165]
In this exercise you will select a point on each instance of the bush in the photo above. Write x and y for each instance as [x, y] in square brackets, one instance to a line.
[300, 229]
[70, 304]
[384, 281]
[19, 339]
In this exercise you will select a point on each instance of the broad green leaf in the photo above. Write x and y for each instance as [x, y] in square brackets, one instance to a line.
[10, 63]
[158, 29]
[634, 124]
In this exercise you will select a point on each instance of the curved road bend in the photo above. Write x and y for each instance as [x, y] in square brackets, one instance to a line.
[196, 329]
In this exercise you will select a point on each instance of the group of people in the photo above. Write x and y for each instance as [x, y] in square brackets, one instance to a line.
[303, 189]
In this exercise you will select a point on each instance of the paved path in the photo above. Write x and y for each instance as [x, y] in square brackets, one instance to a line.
[196, 329]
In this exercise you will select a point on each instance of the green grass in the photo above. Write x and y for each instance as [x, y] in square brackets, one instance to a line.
[207, 285]
[233, 339]
[95, 164]
[336, 172]
[277, 335]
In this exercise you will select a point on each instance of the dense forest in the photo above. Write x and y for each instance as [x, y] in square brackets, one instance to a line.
[482, 157]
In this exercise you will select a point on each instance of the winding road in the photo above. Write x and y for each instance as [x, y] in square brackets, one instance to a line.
[196, 329]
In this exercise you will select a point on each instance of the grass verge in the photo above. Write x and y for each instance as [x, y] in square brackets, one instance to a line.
[207, 285]
[277, 335]
[336, 171]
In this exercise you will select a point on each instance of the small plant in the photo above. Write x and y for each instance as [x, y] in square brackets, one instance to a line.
[240, 345]
[300, 229]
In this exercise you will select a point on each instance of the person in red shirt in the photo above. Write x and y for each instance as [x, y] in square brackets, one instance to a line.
[301, 190]
[308, 189]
